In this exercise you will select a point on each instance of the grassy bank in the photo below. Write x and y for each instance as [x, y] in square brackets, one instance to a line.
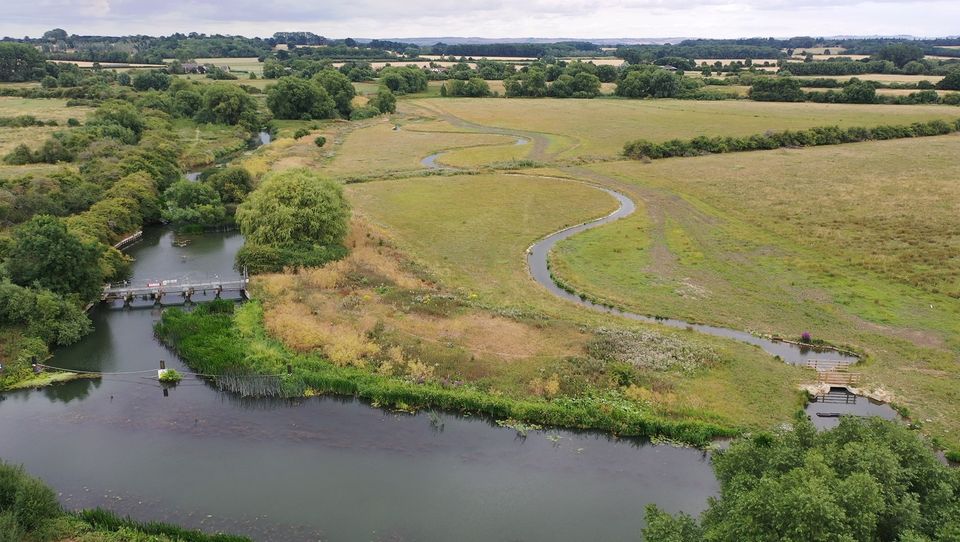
[212, 339]
[29, 512]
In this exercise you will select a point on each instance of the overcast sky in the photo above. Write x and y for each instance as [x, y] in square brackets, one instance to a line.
[486, 18]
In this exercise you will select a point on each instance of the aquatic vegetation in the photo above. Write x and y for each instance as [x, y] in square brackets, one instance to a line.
[650, 350]
[170, 376]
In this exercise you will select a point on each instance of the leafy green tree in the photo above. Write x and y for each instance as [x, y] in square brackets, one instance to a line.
[20, 62]
[474, 87]
[859, 92]
[232, 184]
[45, 315]
[866, 480]
[951, 81]
[295, 207]
[339, 87]
[776, 89]
[384, 101]
[193, 204]
[224, 103]
[900, 53]
[273, 70]
[607, 73]
[118, 114]
[649, 82]
[151, 80]
[296, 98]
[44, 253]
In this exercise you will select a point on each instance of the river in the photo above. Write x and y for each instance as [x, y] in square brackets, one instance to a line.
[319, 468]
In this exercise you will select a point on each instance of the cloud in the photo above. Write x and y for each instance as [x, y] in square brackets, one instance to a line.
[488, 18]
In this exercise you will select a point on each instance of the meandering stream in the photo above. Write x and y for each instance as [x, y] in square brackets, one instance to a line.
[537, 260]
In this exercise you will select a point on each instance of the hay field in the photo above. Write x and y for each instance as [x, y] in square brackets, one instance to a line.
[879, 77]
[42, 108]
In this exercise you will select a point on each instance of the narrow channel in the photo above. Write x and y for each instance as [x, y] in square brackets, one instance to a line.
[537, 261]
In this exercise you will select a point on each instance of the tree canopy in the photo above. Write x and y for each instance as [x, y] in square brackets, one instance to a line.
[192, 203]
[44, 253]
[20, 62]
[295, 207]
[296, 98]
[339, 87]
[866, 480]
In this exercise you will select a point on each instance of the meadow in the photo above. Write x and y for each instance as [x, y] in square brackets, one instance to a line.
[855, 244]
[43, 109]
[436, 287]
[597, 129]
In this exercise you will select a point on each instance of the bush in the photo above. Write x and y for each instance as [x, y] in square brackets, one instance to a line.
[301, 132]
[170, 376]
[73, 122]
[951, 81]
[365, 112]
[320, 141]
[261, 258]
[776, 89]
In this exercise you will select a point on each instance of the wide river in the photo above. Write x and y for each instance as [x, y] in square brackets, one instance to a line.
[320, 468]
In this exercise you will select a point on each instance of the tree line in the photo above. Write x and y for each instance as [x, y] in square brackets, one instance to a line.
[642, 149]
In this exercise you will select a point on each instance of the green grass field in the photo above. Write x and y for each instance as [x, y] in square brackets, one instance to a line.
[856, 244]
[470, 232]
[599, 128]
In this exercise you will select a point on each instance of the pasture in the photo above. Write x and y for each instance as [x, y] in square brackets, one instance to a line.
[855, 244]
[584, 129]
[466, 236]
[42, 108]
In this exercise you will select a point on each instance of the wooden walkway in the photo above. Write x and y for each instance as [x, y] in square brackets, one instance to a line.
[834, 372]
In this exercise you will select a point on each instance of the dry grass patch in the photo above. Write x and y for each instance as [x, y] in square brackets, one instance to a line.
[42, 108]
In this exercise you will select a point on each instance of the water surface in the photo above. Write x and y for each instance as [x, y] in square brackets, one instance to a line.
[315, 469]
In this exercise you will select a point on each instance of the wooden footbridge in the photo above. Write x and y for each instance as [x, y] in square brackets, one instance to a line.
[157, 290]
[834, 372]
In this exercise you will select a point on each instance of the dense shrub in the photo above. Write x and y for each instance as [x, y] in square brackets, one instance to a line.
[260, 258]
[296, 98]
[951, 81]
[867, 479]
[365, 112]
[474, 87]
[776, 89]
[649, 82]
[824, 135]
[320, 141]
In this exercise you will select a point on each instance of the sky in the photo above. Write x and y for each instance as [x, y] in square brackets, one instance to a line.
[487, 18]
